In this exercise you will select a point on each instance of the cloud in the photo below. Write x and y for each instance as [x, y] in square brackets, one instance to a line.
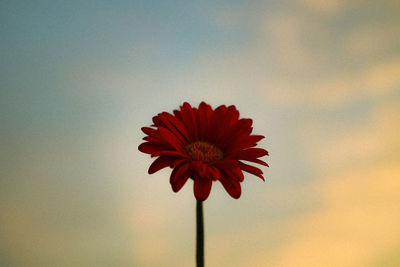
[378, 80]
[346, 143]
[311, 62]
[286, 31]
[383, 77]
[323, 6]
[355, 224]
[372, 40]
[357, 179]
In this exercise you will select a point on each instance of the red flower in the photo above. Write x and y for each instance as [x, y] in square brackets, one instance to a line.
[206, 145]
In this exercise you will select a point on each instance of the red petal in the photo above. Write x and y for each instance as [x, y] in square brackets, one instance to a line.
[251, 169]
[157, 121]
[232, 187]
[188, 116]
[232, 115]
[255, 138]
[204, 116]
[148, 130]
[199, 168]
[178, 125]
[178, 115]
[202, 188]
[160, 163]
[177, 162]
[239, 130]
[179, 176]
[259, 161]
[151, 148]
[165, 117]
[250, 153]
[214, 173]
[217, 122]
[233, 173]
[170, 138]
[243, 142]
[154, 134]
[225, 163]
[154, 140]
[225, 118]
[175, 153]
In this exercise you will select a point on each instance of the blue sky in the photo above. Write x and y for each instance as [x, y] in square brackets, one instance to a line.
[78, 80]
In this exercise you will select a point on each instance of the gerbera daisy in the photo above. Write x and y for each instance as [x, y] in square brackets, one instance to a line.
[205, 145]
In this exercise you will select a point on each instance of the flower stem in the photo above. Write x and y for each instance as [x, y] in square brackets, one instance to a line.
[199, 234]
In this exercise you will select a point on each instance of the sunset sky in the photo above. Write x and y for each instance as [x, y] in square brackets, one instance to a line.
[320, 79]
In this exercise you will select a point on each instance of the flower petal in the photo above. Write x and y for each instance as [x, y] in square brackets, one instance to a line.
[165, 118]
[259, 161]
[199, 168]
[177, 123]
[251, 169]
[217, 123]
[214, 173]
[175, 153]
[225, 163]
[242, 128]
[148, 130]
[202, 188]
[171, 138]
[243, 142]
[160, 163]
[189, 120]
[154, 140]
[179, 176]
[170, 135]
[150, 148]
[232, 187]
[248, 154]
[233, 173]
[232, 115]
[203, 117]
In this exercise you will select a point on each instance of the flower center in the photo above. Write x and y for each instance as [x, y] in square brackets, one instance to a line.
[203, 151]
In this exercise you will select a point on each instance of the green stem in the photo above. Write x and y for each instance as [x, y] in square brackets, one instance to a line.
[199, 234]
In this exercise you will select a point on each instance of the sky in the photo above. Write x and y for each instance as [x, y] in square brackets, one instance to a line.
[320, 79]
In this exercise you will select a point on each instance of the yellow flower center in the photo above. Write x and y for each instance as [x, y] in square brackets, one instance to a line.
[203, 151]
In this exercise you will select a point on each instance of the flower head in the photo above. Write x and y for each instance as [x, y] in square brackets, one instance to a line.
[206, 145]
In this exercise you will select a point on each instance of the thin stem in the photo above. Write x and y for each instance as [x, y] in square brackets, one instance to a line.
[199, 234]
